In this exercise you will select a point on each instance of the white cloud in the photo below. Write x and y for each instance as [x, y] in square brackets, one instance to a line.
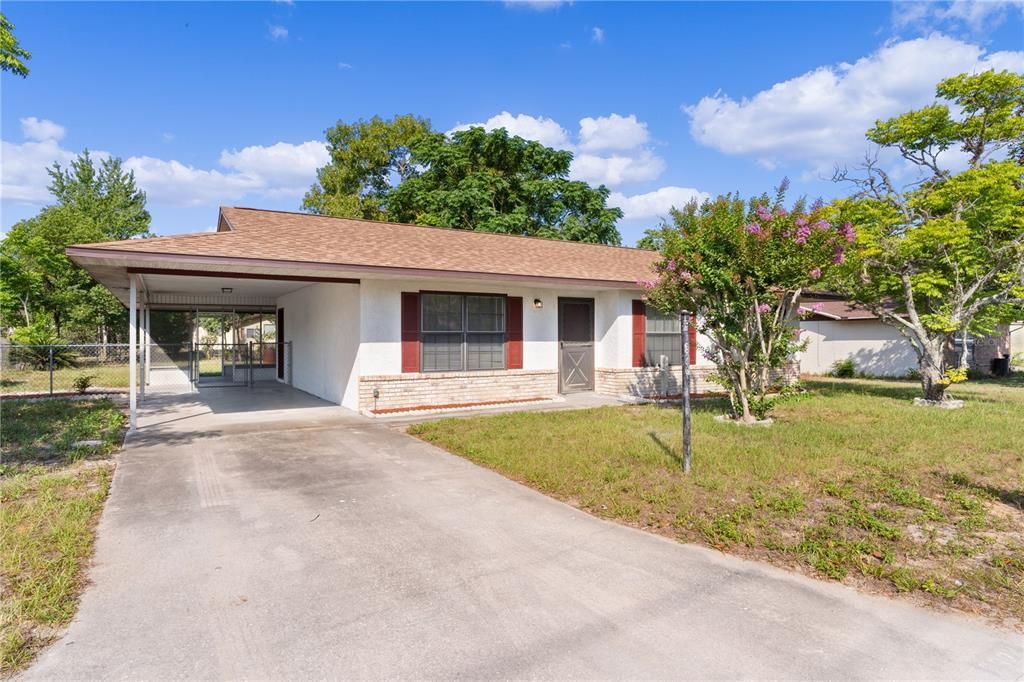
[977, 15]
[278, 32]
[168, 137]
[41, 129]
[536, 5]
[544, 130]
[819, 118]
[617, 169]
[344, 66]
[612, 132]
[655, 204]
[280, 170]
[597, 35]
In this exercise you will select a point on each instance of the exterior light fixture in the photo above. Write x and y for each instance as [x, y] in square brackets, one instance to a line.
[538, 304]
[226, 290]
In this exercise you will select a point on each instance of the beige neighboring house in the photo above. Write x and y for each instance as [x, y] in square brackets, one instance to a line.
[838, 330]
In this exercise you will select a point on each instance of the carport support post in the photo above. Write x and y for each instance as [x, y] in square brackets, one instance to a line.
[133, 350]
[143, 336]
[149, 342]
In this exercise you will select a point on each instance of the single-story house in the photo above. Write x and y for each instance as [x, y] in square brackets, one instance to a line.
[379, 316]
[837, 330]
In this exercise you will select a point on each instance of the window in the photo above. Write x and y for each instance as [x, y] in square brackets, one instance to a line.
[462, 332]
[662, 338]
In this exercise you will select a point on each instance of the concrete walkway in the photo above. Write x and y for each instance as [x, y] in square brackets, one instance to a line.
[265, 534]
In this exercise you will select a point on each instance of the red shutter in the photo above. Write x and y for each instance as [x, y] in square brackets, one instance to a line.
[514, 332]
[410, 332]
[693, 339]
[639, 331]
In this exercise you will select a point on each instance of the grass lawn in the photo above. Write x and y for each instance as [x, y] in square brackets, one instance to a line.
[51, 494]
[851, 483]
[38, 380]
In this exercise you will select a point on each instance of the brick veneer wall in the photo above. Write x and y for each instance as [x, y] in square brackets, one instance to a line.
[455, 388]
[988, 348]
[650, 382]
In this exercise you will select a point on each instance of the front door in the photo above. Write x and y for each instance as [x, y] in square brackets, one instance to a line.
[575, 344]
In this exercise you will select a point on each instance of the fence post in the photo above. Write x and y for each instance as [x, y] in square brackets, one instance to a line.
[250, 382]
[51, 370]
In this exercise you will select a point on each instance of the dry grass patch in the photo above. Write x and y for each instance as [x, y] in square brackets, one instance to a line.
[52, 489]
[852, 483]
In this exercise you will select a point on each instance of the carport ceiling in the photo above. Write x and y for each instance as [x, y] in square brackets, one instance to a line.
[221, 293]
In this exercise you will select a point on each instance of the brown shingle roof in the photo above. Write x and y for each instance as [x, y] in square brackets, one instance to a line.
[834, 309]
[299, 237]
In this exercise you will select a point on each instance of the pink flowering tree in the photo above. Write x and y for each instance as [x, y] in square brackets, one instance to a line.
[742, 266]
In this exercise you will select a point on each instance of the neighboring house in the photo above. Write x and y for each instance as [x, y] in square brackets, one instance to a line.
[838, 330]
[384, 316]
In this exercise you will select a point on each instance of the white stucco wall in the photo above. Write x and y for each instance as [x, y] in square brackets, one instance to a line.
[322, 321]
[876, 348]
[380, 322]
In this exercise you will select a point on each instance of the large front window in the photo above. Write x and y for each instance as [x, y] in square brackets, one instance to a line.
[462, 332]
[662, 338]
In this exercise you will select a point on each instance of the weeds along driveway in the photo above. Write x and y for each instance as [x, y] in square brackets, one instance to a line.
[313, 543]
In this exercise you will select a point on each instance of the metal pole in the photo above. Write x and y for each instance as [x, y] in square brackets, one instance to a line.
[250, 365]
[149, 343]
[133, 351]
[51, 370]
[684, 319]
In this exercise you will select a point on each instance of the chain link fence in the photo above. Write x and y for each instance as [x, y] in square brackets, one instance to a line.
[68, 369]
[63, 369]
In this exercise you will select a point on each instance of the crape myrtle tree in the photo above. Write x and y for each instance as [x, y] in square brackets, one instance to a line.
[943, 257]
[742, 266]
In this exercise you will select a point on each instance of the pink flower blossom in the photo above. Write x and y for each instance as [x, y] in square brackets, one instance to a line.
[839, 256]
[763, 308]
[847, 231]
[763, 213]
[821, 225]
[646, 284]
[686, 276]
[802, 233]
[800, 221]
[781, 212]
[754, 228]
[671, 266]
[816, 273]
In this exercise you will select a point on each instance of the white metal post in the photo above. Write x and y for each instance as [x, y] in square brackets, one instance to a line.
[147, 321]
[143, 339]
[133, 348]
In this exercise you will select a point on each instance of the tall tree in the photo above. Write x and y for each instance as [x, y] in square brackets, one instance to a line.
[367, 159]
[494, 182]
[38, 280]
[12, 55]
[945, 256]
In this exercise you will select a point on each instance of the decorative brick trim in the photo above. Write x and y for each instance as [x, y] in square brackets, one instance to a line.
[423, 390]
[651, 382]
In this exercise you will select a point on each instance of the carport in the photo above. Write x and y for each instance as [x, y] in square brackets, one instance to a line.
[142, 283]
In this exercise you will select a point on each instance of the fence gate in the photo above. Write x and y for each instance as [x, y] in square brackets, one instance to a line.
[237, 364]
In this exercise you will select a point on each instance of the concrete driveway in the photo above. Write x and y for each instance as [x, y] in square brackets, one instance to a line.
[264, 534]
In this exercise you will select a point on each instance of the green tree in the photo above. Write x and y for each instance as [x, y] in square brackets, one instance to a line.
[945, 256]
[494, 182]
[367, 157]
[742, 267]
[12, 55]
[38, 279]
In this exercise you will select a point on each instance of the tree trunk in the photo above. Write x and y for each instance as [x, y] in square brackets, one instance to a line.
[931, 378]
[742, 388]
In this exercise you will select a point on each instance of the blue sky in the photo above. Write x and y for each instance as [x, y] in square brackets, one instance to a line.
[216, 104]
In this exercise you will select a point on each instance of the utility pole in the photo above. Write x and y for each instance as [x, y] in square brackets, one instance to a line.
[684, 329]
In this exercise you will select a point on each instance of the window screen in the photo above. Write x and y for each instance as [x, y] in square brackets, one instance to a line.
[662, 338]
[462, 332]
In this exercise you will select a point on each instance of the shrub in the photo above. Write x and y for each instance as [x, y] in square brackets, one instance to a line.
[843, 369]
[83, 382]
[31, 347]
